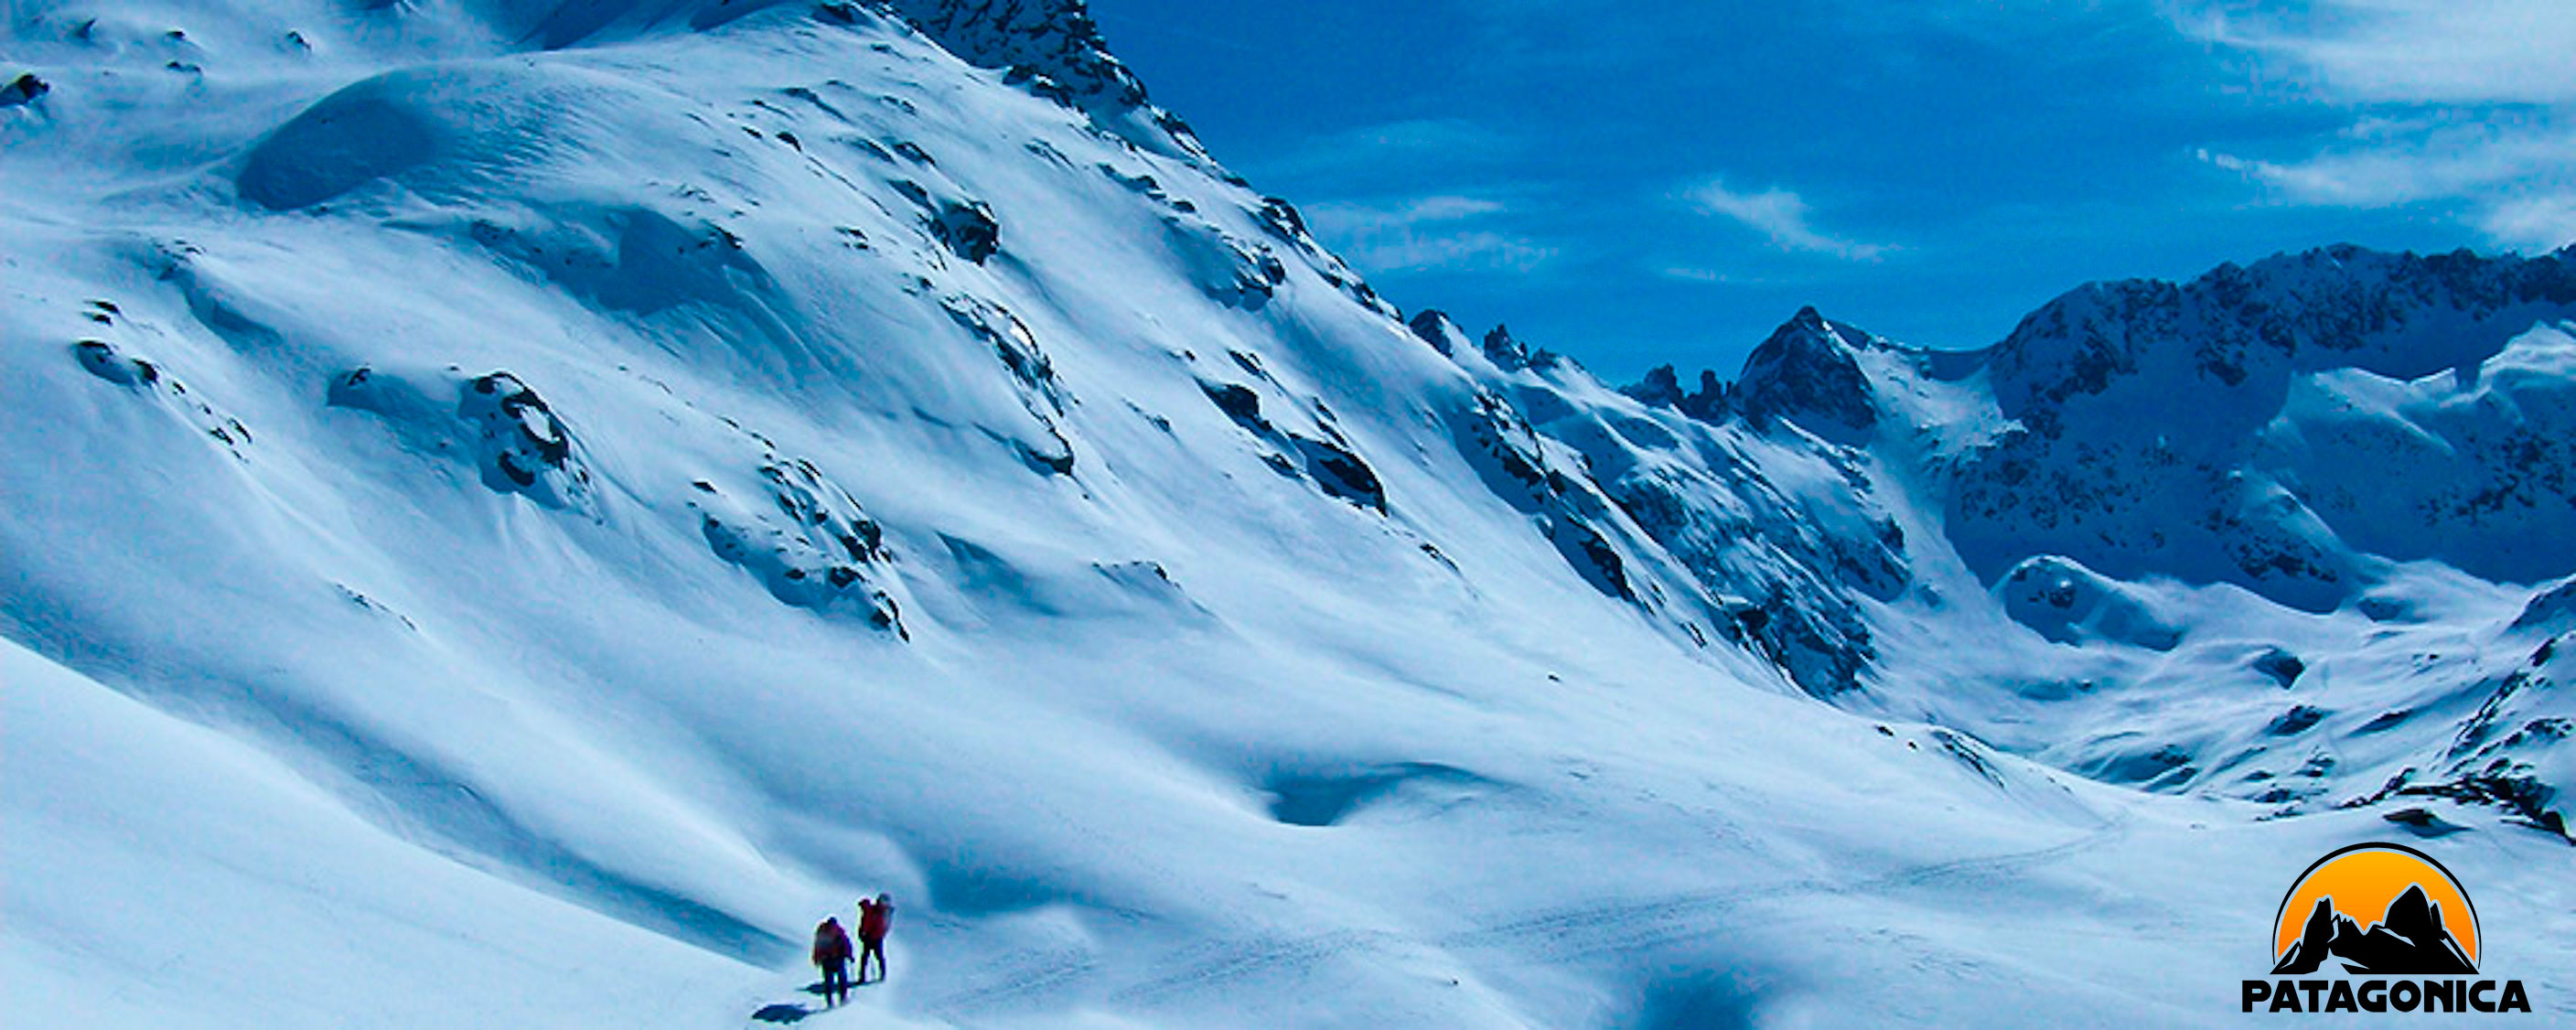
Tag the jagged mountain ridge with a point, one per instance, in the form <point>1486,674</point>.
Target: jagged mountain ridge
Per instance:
<point>2320,429</point>
<point>633,474</point>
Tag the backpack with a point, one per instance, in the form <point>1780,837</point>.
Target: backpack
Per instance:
<point>831,945</point>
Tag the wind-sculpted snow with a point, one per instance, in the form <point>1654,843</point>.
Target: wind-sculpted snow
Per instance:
<point>716,460</point>
<point>146,379</point>
<point>2483,457</point>
<point>2068,603</point>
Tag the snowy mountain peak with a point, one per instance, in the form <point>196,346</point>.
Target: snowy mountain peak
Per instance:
<point>1501,349</point>
<point>1054,49</point>
<point>1055,38</point>
<point>2243,427</point>
<point>1808,372</point>
<point>2234,335</point>
<point>1432,326</point>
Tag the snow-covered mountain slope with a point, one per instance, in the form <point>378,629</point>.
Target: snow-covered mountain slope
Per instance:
<point>519,509</point>
<point>2269,534</point>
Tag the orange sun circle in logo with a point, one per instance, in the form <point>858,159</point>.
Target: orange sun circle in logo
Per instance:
<point>2361,884</point>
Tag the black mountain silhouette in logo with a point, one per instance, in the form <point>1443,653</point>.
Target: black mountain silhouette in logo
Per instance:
<point>2409,940</point>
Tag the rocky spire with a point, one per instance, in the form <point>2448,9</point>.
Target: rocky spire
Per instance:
<point>1054,38</point>
<point>1806,372</point>
<point>1054,49</point>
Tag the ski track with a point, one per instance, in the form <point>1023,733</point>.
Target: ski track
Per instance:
<point>1031,973</point>
<point>1559,934</point>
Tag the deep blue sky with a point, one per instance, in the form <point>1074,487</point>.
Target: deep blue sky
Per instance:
<point>1635,184</point>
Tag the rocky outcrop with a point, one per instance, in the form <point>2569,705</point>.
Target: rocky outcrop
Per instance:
<point>1433,326</point>
<point>1033,378</point>
<point>1053,38</point>
<point>1053,49</point>
<point>512,438</point>
<point>804,537</point>
<point>1806,373</point>
<point>964,225</point>
<point>1321,456</point>
<point>24,88</point>
<point>1662,388</point>
<point>144,377</point>
<point>1240,273</point>
<point>1512,458</point>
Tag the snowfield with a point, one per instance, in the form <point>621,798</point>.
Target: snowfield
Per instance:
<point>518,510</point>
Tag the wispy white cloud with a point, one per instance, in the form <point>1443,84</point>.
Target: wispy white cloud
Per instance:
<point>1695,274</point>
<point>1706,275</point>
<point>2379,169</point>
<point>1435,232</point>
<point>1780,215</point>
<point>2468,104</point>
<point>1472,250</point>
<point>2408,51</point>
<point>1391,148</point>
<point>2545,220</point>
<point>1350,216</point>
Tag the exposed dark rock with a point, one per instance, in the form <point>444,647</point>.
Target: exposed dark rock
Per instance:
<point>102,359</point>
<point>1053,47</point>
<point>2147,440</point>
<point>1032,373</point>
<point>1662,388</point>
<point>1012,342</point>
<point>2281,666</point>
<point>1567,508</point>
<point>1341,473</point>
<point>1056,38</point>
<point>1806,373</point>
<point>1330,464</point>
<point>1283,219</point>
<point>806,539</point>
<point>1433,327</point>
<point>106,361</point>
<point>1503,350</point>
<point>1242,273</point>
<point>2423,823</point>
<point>23,89</point>
<point>2295,721</point>
<point>1239,403</point>
<point>1038,84</point>
<point>522,441</point>
<point>968,228</point>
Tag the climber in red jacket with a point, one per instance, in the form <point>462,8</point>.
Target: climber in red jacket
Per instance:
<point>874,917</point>
<point>832,953</point>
